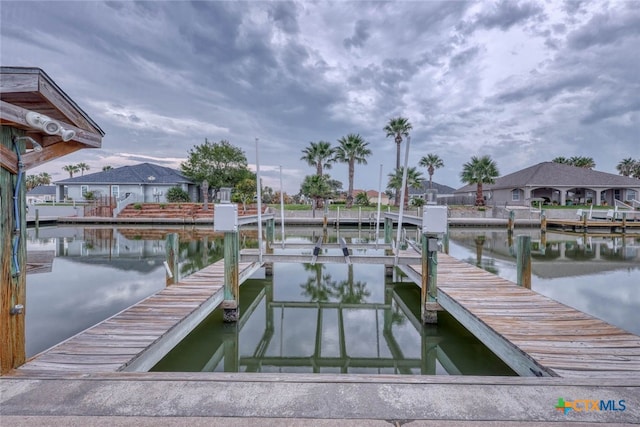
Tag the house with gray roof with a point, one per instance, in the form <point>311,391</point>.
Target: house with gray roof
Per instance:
<point>442,192</point>
<point>141,183</point>
<point>41,194</point>
<point>558,183</point>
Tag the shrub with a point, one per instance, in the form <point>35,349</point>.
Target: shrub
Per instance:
<point>137,206</point>
<point>177,194</point>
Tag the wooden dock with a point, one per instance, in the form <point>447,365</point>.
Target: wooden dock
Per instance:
<point>137,338</point>
<point>533,334</point>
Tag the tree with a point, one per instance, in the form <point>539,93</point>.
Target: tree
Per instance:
<point>626,166</point>
<point>32,181</point>
<point>582,162</point>
<point>219,163</point>
<point>577,161</point>
<point>414,180</point>
<point>245,191</point>
<point>397,128</point>
<point>107,168</point>
<point>176,195</point>
<point>561,160</point>
<point>83,167</point>
<point>317,187</point>
<point>362,199</point>
<point>431,162</point>
<point>71,169</point>
<point>480,170</point>
<point>352,149</point>
<point>319,155</point>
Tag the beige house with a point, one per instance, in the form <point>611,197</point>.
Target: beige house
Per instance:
<point>556,183</point>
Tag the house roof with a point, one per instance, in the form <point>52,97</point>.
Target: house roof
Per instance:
<point>551,174</point>
<point>441,188</point>
<point>42,190</point>
<point>143,173</point>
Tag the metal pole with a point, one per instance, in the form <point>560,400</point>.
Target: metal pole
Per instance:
<point>379,202</point>
<point>259,185</point>
<point>281,207</point>
<point>402,191</point>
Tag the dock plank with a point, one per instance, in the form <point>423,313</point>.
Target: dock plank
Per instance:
<point>559,339</point>
<point>114,343</point>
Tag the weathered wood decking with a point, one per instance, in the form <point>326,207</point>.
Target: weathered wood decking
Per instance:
<point>534,334</point>
<point>138,337</point>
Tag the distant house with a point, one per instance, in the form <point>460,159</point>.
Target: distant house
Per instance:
<point>144,182</point>
<point>557,183</point>
<point>41,194</point>
<point>442,191</point>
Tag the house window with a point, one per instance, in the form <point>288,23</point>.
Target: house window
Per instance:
<point>631,194</point>
<point>115,191</point>
<point>84,189</point>
<point>515,195</point>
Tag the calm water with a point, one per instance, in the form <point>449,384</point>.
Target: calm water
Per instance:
<point>304,318</point>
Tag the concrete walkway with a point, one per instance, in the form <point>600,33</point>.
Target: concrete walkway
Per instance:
<point>325,400</point>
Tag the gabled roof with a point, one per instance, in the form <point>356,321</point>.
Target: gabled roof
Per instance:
<point>42,190</point>
<point>442,189</point>
<point>551,174</point>
<point>143,173</point>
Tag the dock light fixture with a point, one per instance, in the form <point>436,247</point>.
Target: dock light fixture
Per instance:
<point>48,125</point>
<point>36,147</point>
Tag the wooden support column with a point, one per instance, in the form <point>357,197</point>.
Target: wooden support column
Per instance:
<point>429,291</point>
<point>543,222</point>
<point>523,257</point>
<point>271,232</point>
<point>511,222</point>
<point>231,276</point>
<point>388,230</point>
<point>172,250</point>
<point>13,237</point>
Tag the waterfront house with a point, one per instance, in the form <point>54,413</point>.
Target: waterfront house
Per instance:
<point>557,183</point>
<point>145,182</point>
<point>442,192</point>
<point>41,194</point>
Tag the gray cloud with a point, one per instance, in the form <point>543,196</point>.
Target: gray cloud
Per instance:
<point>294,72</point>
<point>505,14</point>
<point>360,36</point>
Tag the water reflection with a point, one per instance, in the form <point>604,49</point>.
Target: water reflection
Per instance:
<point>331,318</point>
<point>97,272</point>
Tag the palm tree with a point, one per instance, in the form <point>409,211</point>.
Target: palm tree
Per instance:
<point>316,187</point>
<point>480,170</point>
<point>582,162</point>
<point>352,149</point>
<point>71,169</point>
<point>318,154</point>
<point>107,168</point>
<point>83,167</point>
<point>561,160</point>
<point>431,162</point>
<point>398,127</point>
<point>414,180</point>
<point>626,166</point>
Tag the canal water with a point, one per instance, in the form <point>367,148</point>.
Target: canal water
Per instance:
<point>314,318</point>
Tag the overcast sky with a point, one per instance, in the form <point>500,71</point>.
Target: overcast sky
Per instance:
<point>521,81</point>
